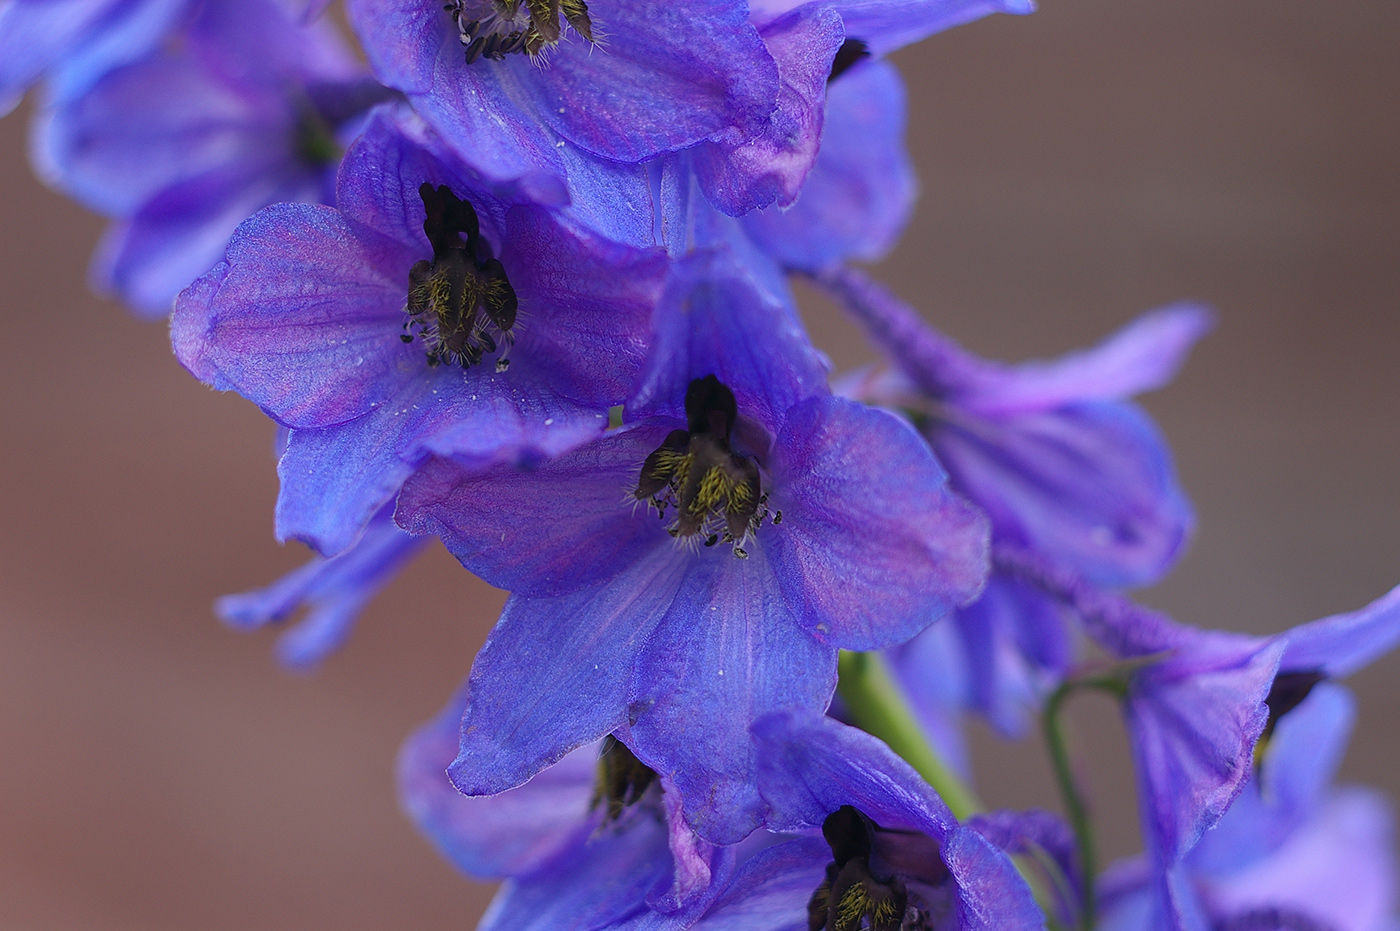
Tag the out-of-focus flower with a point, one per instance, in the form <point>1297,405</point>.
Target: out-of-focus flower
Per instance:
<point>429,313</point>
<point>1293,853</point>
<point>244,107</point>
<point>333,590</point>
<point>847,533</point>
<point>74,42</point>
<point>1061,462</point>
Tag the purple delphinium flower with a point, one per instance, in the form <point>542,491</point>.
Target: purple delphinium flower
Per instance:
<point>247,108</point>
<point>74,42</point>
<point>333,591</point>
<point>896,855</point>
<point>1058,459</point>
<point>593,841</point>
<point>381,331</point>
<point>1293,853</point>
<point>737,95</point>
<point>799,523</point>
<point>1201,700</point>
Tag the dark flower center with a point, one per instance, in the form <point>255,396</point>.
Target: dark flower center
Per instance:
<point>716,494</point>
<point>865,885</point>
<point>496,28</point>
<point>460,304</point>
<point>850,52</point>
<point>622,779</point>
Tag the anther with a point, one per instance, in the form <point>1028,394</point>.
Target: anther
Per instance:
<point>460,302</point>
<point>715,491</point>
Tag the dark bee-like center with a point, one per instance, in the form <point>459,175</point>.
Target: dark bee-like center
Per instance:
<point>865,885</point>
<point>622,779</point>
<point>715,493</point>
<point>460,304</point>
<point>496,28</point>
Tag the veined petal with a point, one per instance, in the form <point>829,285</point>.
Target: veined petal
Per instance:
<point>1193,719</point>
<point>510,834</point>
<point>810,765</point>
<point>184,231</point>
<point>334,479</point>
<point>727,652</point>
<point>565,525</point>
<point>861,189</point>
<point>873,546</point>
<point>301,317</point>
<point>604,885</point>
<point>1288,787</point>
<point>556,673</point>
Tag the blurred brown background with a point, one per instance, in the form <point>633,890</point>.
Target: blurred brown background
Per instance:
<point>1080,165</point>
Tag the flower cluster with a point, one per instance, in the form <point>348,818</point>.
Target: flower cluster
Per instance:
<point>518,279</point>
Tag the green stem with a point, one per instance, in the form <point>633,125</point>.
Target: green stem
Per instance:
<point>878,708</point>
<point>1073,799</point>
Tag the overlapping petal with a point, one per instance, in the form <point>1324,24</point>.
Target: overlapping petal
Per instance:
<point>873,546</point>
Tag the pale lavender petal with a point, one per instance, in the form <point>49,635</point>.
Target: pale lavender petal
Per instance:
<point>1341,644</point>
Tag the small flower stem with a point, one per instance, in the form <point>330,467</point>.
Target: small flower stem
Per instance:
<point>1075,808</point>
<point>878,708</point>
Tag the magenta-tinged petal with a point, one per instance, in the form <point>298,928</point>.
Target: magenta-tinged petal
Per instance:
<point>727,652</point>
<point>511,834</point>
<point>556,673</point>
<point>769,167</point>
<point>860,192</point>
<point>562,526</point>
<point>183,232</point>
<point>301,318</point>
<point>663,78</point>
<point>873,547</point>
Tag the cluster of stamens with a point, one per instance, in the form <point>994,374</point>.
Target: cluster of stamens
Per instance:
<point>859,892</point>
<point>622,779</point>
<point>493,29</point>
<point>460,304</point>
<point>715,494</point>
